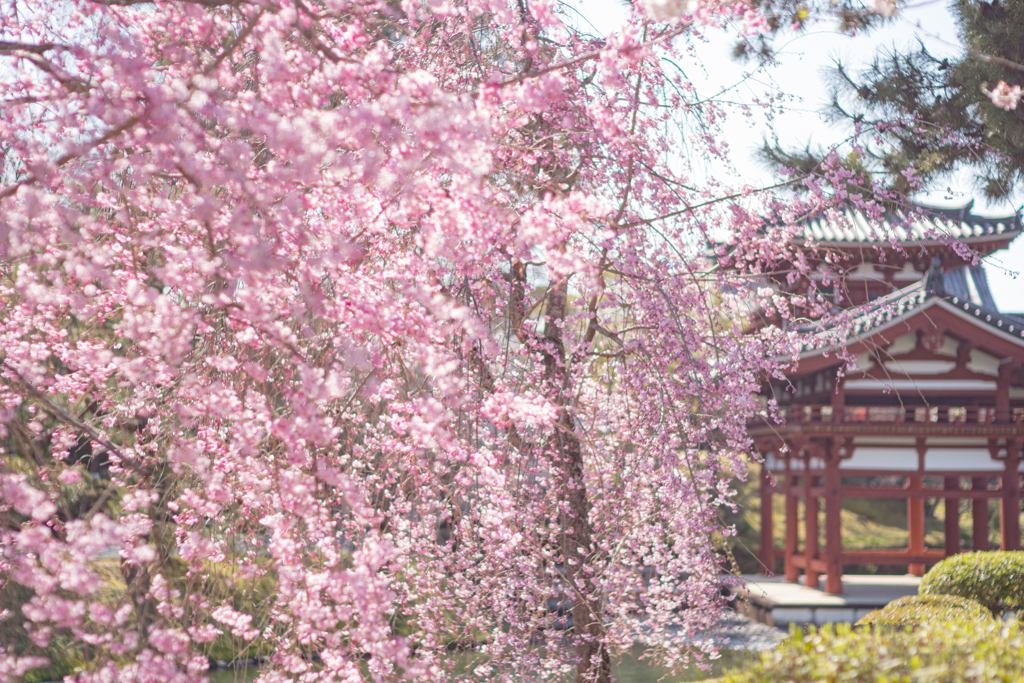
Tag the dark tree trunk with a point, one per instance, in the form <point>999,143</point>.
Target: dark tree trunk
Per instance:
<point>594,664</point>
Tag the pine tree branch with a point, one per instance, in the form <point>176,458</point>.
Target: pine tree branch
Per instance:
<point>992,59</point>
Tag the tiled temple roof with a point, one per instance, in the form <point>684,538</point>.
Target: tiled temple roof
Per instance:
<point>854,228</point>
<point>1010,324</point>
<point>865,320</point>
<point>970,284</point>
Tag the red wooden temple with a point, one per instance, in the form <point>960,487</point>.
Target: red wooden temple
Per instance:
<point>931,408</point>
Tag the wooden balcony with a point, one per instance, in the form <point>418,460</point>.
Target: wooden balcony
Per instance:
<point>917,420</point>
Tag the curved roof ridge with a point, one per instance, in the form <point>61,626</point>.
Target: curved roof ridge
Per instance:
<point>869,318</point>
<point>922,223</point>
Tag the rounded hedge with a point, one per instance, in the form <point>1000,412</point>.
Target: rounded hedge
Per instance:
<point>936,652</point>
<point>914,610</point>
<point>994,578</point>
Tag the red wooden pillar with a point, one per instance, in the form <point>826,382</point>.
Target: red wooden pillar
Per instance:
<point>1009,501</point>
<point>979,515</point>
<point>810,528</point>
<point>838,403</point>
<point>952,528</point>
<point>767,523</point>
<point>833,525</point>
<point>915,524</point>
<point>1009,504</point>
<point>792,519</point>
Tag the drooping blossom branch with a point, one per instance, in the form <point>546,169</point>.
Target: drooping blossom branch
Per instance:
<point>353,334</point>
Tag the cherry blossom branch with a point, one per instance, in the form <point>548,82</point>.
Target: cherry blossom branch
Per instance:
<point>9,48</point>
<point>65,159</point>
<point>588,56</point>
<point>238,40</point>
<point>66,417</point>
<point>716,200</point>
<point>202,3</point>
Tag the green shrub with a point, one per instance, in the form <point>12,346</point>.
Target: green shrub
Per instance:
<point>914,610</point>
<point>940,652</point>
<point>995,579</point>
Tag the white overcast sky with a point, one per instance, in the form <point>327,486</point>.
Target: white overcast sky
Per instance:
<point>800,75</point>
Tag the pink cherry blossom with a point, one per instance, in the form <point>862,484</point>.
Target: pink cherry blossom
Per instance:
<point>422,313</point>
<point>884,8</point>
<point>1004,96</point>
<point>69,476</point>
<point>239,623</point>
<point>27,500</point>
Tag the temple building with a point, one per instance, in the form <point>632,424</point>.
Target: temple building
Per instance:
<point>925,400</point>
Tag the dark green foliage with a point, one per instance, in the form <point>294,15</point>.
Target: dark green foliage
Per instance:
<point>932,114</point>
<point>994,579</point>
<point>912,611</point>
<point>942,652</point>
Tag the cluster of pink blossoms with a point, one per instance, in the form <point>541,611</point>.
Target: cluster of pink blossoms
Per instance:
<point>885,8</point>
<point>1004,96</point>
<point>350,334</point>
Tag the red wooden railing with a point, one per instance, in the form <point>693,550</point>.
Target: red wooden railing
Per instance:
<point>941,414</point>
